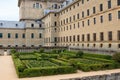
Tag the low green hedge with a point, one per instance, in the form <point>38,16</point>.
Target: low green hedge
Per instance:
<point>99,59</point>
<point>95,67</point>
<point>97,56</point>
<point>33,72</point>
<point>19,66</point>
<point>59,62</point>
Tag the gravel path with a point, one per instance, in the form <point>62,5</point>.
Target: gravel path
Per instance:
<point>7,72</point>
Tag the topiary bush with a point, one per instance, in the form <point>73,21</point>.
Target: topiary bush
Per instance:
<point>116,57</point>
<point>79,54</point>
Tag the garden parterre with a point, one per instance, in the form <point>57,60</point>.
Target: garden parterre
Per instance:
<point>60,62</point>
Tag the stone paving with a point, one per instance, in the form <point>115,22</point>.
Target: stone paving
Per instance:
<point>7,72</point>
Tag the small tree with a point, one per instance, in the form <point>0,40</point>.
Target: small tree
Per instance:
<point>79,54</point>
<point>116,57</point>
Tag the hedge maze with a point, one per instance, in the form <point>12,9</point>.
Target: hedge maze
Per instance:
<point>60,62</point>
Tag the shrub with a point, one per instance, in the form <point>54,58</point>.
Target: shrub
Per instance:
<point>79,54</point>
<point>13,51</point>
<point>33,72</point>
<point>97,56</point>
<point>116,57</point>
<point>41,50</point>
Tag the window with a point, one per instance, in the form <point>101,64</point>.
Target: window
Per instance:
<point>9,45</point>
<point>33,5</point>
<point>78,38</point>
<point>118,14</point>
<point>101,7</point>
<point>40,35</point>
<point>32,45</point>
<point>94,20</point>
<point>16,45</point>
<point>118,45</point>
<point>55,23</point>
<point>16,35</point>
<point>82,14</point>
<point>70,38</point>
<point>74,17</point>
<point>118,2</point>
<point>101,45</point>
<point>37,5</point>
<point>70,19</point>
<point>9,35</point>
<point>110,17</point>
<point>88,22</point>
<point>32,35</point>
<point>78,24</point>
<point>55,39</point>
<point>94,45</point>
<point>40,25</point>
<point>88,37</point>
<point>94,36</point>
<point>109,45</point>
<point>74,38</point>
<point>55,6</point>
<point>83,37</point>
<point>1,24</point>
<point>101,36</point>
<point>101,19</point>
<point>83,23</point>
<point>88,12</point>
<point>23,35</point>
<point>16,25</point>
<point>32,25</point>
<point>1,35</point>
<point>110,35</point>
<point>118,35</point>
<point>94,10</point>
<point>82,1</point>
<point>66,38</point>
<point>78,16</point>
<point>109,4</point>
<point>74,26</point>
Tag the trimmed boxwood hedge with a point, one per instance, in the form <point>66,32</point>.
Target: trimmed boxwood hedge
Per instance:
<point>97,56</point>
<point>66,61</point>
<point>95,67</point>
<point>34,72</point>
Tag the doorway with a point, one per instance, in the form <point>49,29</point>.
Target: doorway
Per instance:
<point>5,52</point>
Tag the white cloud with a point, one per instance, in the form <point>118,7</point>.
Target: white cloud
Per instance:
<point>9,10</point>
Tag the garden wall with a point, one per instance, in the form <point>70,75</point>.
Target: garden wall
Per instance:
<point>113,76</point>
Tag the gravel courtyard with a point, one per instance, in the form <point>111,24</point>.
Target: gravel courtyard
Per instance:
<point>7,72</point>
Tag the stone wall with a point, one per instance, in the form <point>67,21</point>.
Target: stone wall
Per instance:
<point>113,76</point>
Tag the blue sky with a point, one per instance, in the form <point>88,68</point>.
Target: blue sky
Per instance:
<point>9,10</point>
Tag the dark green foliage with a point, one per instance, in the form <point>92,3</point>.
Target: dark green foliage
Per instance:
<point>97,56</point>
<point>41,50</point>
<point>33,72</point>
<point>60,62</point>
<point>116,57</point>
<point>28,57</point>
<point>13,51</point>
<point>79,54</point>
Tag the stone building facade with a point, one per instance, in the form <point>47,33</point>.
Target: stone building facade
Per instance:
<point>83,24</point>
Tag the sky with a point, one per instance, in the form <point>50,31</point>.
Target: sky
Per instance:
<point>9,10</point>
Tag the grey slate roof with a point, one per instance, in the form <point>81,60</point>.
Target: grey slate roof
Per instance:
<point>12,24</point>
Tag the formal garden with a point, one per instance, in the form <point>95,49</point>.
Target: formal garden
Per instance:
<point>41,63</point>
